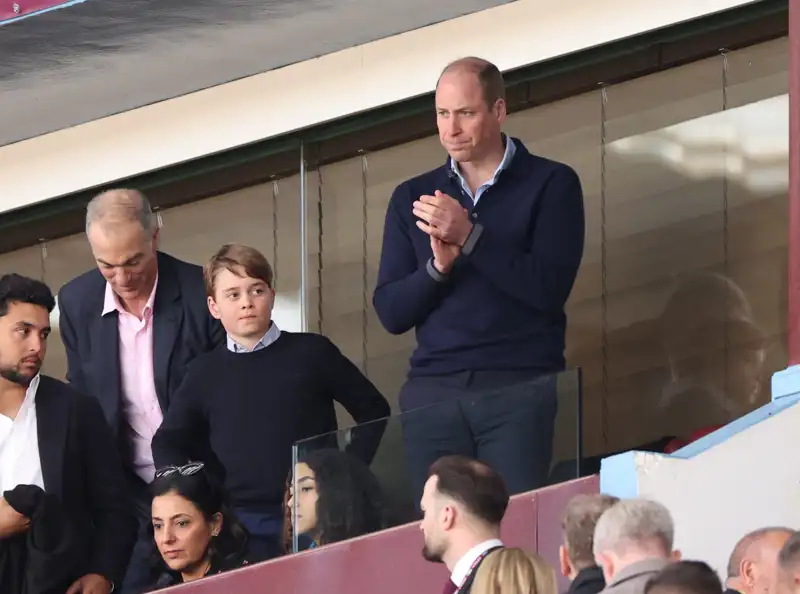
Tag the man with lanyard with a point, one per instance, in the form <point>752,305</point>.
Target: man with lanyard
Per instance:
<point>463,504</point>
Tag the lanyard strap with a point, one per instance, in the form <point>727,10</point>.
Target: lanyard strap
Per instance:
<point>475,564</point>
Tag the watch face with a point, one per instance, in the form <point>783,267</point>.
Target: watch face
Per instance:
<point>15,9</point>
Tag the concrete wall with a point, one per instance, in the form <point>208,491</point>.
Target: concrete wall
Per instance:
<point>737,479</point>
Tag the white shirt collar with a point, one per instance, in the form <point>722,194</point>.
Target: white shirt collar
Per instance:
<point>463,566</point>
<point>273,334</point>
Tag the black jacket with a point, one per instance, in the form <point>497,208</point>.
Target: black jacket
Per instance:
<point>182,329</point>
<point>588,581</point>
<point>168,579</point>
<point>44,559</point>
<point>82,471</point>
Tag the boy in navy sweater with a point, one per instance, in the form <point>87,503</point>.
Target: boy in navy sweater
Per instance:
<point>479,256</point>
<point>253,398</point>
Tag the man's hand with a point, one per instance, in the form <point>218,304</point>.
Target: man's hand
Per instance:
<point>91,584</point>
<point>444,218</point>
<point>11,521</point>
<point>444,255</point>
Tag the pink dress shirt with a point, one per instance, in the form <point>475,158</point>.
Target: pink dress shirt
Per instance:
<point>139,398</point>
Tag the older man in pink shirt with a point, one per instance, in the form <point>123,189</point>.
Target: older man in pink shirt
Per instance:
<point>131,328</point>
<point>139,398</point>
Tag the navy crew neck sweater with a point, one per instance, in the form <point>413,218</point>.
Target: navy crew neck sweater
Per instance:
<point>501,307</point>
<point>252,407</point>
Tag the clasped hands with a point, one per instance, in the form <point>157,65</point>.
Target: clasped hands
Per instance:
<point>447,223</point>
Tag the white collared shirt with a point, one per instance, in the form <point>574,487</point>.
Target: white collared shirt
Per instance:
<point>19,445</point>
<point>271,336</point>
<point>463,566</point>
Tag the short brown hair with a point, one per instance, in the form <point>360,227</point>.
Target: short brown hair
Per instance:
<point>475,485</point>
<point>580,519</point>
<point>235,257</point>
<point>489,77</point>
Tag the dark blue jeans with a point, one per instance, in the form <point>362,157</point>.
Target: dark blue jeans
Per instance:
<point>503,418</point>
<point>265,533</point>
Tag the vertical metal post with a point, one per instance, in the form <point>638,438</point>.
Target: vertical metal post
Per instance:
<point>794,183</point>
<point>303,243</point>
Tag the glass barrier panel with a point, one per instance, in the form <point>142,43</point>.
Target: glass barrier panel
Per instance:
<point>371,476</point>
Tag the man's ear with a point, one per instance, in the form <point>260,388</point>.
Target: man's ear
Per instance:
<point>607,563</point>
<point>676,556</point>
<point>448,517</point>
<point>563,560</point>
<point>212,308</point>
<point>747,573</point>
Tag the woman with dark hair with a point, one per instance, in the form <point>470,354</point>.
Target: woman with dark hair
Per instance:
<point>334,497</point>
<point>194,532</point>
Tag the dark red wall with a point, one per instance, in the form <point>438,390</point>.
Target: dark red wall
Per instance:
<point>25,7</point>
<point>392,560</point>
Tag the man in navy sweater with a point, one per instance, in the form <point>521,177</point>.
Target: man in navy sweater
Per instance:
<point>479,256</point>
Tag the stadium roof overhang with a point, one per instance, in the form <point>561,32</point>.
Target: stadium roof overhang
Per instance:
<point>378,94</point>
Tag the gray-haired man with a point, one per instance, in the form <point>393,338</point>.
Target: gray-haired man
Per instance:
<point>131,327</point>
<point>633,542</point>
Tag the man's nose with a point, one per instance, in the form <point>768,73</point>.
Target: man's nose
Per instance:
<point>453,126</point>
<point>36,344</point>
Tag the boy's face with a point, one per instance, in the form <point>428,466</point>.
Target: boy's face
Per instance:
<point>244,306</point>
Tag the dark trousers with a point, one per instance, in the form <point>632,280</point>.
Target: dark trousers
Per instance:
<point>265,531</point>
<point>141,574</point>
<point>503,418</point>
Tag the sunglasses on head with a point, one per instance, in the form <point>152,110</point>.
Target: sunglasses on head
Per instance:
<point>185,470</point>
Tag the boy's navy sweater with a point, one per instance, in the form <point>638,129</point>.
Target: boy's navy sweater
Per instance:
<point>502,305</point>
<point>252,407</point>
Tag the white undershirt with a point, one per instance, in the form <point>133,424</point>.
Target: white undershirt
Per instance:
<point>19,445</point>
<point>463,566</point>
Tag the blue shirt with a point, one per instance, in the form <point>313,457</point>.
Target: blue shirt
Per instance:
<point>271,336</point>
<point>508,156</point>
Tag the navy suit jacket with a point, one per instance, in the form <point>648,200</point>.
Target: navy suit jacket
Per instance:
<point>182,330</point>
<point>81,468</point>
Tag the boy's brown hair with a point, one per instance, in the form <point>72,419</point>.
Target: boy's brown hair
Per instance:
<point>236,258</point>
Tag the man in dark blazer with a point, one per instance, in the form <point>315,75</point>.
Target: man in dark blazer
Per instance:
<point>463,504</point>
<point>131,328</point>
<point>57,439</point>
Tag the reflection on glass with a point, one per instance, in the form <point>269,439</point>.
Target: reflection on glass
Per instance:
<point>746,144</point>
<point>387,492</point>
<point>334,496</point>
<point>696,174</point>
<point>715,352</point>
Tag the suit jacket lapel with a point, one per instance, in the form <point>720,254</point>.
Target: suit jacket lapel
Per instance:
<point>167,318</point>
<point>52,418</point>
<point>105,335</point>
